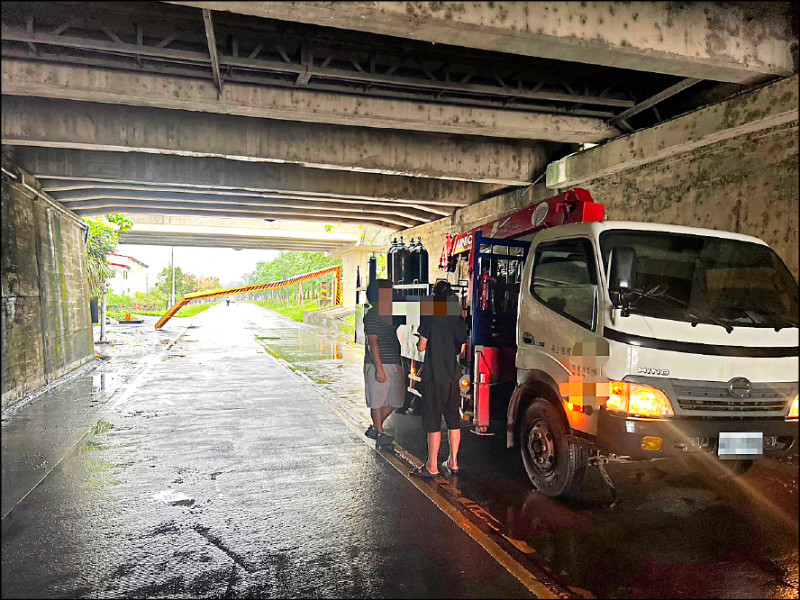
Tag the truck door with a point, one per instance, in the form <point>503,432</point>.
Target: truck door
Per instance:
<point>496,276</point>
<point>558,319</point>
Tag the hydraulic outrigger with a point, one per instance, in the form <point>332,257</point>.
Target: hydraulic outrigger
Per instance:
<point>259,287</point>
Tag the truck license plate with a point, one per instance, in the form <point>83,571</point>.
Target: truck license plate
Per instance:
<point>738,445</point>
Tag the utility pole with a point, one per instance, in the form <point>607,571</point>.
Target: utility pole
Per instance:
<point>103,339</point>
<point>172,268</point>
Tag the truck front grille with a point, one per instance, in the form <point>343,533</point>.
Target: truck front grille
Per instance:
<point>713,398</point>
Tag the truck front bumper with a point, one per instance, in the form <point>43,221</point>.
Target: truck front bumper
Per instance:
<point>623,436</point>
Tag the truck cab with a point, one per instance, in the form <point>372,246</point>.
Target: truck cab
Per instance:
<point>643,341</point>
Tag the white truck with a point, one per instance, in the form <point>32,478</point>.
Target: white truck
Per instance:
<point>617,341</point>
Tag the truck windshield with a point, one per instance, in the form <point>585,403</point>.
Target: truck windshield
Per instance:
<point>731,282</point>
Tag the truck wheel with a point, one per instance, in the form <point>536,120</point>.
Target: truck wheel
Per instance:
<point>555,465</point>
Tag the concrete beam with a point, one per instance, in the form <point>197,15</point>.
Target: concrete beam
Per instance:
<point>229,241</point>
<point>56,186</point>
<point>76,198</point>
<point>91,126</point>
<point>244,233</point>
<point>246,212</point>
<point>722,42</point>
<point>401,215</point>
<point>769,106</point>
<point>28,78</point>
<point>57,163</point>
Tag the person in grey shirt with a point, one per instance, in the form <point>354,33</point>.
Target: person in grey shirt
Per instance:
<point>384,374</point>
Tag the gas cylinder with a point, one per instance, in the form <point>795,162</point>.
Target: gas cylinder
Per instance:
<point>413,263</point>
<point>390,260</point>
<point>372,269</point>
<point>400,258</point>
<point>422,259</point>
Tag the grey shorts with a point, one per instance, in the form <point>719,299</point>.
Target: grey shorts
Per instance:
<point>391,393</point>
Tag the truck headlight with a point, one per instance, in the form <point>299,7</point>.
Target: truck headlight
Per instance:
<point>793,410</point>
<point>638,400</point>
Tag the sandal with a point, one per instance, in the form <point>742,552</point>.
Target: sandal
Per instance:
<point>423,473</point>
<point>446,467</point>
<point>383,439</point>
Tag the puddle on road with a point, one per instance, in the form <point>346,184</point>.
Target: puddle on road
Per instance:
<point>324,359</point>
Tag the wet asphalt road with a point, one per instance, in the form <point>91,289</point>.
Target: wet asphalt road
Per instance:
<point>216,472</point>
<point>679,531</point>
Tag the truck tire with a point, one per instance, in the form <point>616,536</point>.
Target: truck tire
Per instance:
<point>555,465</point>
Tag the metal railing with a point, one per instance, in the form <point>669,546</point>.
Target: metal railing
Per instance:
<point>258,287</point>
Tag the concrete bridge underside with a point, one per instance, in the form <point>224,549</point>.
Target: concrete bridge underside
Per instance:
<point>392,114</point>
<point>365,119</point>
<point>239,234</point>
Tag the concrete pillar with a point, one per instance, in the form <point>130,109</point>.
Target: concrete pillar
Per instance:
<point>354,260</point>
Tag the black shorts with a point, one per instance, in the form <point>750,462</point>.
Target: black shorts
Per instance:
<point>440,398</point>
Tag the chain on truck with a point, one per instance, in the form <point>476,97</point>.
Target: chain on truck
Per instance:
<point>602,341</point>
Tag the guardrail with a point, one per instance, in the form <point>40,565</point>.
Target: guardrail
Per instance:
<point>259,287</point>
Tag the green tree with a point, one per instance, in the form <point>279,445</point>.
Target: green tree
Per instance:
<point>103,239</point>
<point>164,282</point>
<point>185,283</point>
<point>289,264</point>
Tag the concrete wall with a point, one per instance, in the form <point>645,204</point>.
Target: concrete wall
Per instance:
<point>46,328</point>
<point>732,166</point>
<point>747,184</point>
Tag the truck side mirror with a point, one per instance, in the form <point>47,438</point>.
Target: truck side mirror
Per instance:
<point>622,272</point>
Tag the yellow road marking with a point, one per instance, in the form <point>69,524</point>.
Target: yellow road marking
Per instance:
<point>525,577</point>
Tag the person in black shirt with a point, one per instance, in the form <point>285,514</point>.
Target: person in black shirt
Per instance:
<point>442,337</point>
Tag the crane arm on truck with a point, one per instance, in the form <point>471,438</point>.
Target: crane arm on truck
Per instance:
<point>572,206</point>
<point>495,256</point>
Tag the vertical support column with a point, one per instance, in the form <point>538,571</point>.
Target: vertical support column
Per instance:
<point>172,268</point>
<point>103,317</point>
<point>337,284</point>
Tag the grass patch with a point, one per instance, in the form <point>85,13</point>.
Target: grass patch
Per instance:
<point>290,309</point>
<point>192,310</point>
<point>117,315</point>
<point>347,326</point>
<point>187,311</point>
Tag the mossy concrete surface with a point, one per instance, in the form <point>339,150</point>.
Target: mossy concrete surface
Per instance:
<point>46,328</point>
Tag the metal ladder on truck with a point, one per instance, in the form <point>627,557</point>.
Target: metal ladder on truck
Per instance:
<point>492,346</point>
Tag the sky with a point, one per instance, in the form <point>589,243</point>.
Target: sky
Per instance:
<point>227,264</point>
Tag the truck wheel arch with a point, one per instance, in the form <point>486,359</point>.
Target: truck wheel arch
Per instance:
<point>538,384</point>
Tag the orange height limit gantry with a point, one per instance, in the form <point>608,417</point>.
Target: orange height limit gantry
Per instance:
<point>259,287</point>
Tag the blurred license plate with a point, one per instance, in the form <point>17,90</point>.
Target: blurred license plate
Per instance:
<point>746,444</point>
